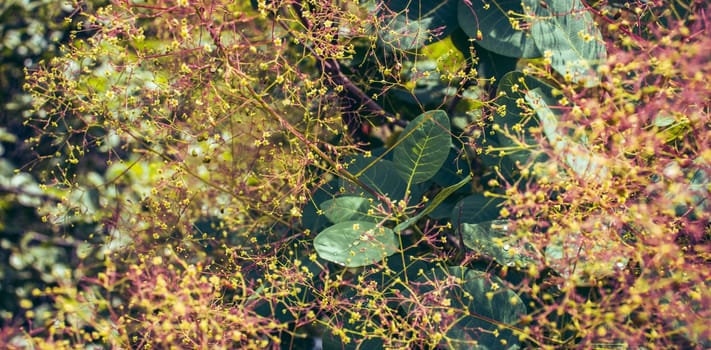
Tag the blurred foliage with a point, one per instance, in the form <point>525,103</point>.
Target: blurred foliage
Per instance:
<point>374,174</point>
<point>34,254</point>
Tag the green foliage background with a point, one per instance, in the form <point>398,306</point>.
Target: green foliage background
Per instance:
<point>373,174</point>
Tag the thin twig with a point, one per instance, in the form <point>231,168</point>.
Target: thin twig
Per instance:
<point>332,69</point>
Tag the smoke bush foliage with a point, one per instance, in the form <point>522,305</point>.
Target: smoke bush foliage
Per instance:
<point>375,174</point>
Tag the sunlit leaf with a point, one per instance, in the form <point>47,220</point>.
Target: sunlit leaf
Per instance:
<point>355,243</point>
<point>348,208</point>
<point>578,257</point>
<point>423,148</point>
<point>494,239</point>
<point>566,31</point>
<point>512,90</point>
<point>581,161</point>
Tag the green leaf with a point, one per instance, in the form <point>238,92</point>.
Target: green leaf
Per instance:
<point>489,64</point>
<point>454,169</point>
<point>663,119</point>
<point>493,239</point>
<point>482,306</point>
<point>428,91</point>
<point>492,65</point>
<point>436,201</point>
<point>699,187</point>
<point>380,177</point>
<point>672,127</point>
<point>445,209</point>
<point>493,19</point>
<point>423,148</point>
<point>581,161</point>
<point>577,257</point>
<point>355,243</point>
<point>512,89</point>
<point>566,30</point>
<point>691,196</point>
<point>348,208</point>
<point>474,209</point>
<point>411,24</point>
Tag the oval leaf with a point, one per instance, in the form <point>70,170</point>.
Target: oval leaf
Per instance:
<point>423,147</point>
<point>493,21</point>
<point>412,24</point>
<point>581,161</point>
<point>355,243</point>
<point>493,239</point>
<point>489,64</point>
<point>512,89</point>
<point>379,177</point>
<point>474,209</point>
<point>577,257</point>
<point>566,30</point>
<point>348,208</point>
